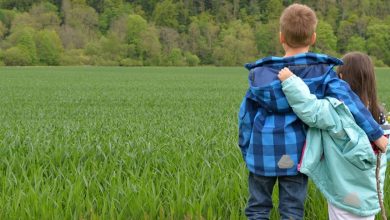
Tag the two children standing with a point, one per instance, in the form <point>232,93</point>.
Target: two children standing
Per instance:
<point>272,135</point>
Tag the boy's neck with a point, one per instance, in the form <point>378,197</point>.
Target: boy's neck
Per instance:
<point>294,51</point>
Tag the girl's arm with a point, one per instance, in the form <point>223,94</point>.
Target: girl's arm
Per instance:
<point>312,111</point>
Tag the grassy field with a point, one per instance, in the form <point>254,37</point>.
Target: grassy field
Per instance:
<point>127,143</point>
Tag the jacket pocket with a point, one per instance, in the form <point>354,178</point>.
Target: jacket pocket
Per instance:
<point>357,150</point>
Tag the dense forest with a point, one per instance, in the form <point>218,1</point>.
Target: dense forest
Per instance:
<point>179,32</point>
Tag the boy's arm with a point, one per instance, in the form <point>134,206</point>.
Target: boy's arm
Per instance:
<point>339,89</point>
<point>245,123</point>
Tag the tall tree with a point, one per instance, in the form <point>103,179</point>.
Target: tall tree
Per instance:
<point>237,45</point>
<point>357,43</point>
<point>112,9</point>
<point>24,45</point>
<point>378,41</point>
<point>150,46</point>
<point>326,40</point>
<point>224,12</point>
<point>165,14</point>
<point>267,39</point>
<point>135,26</point>
<point>274,9</point>
<point>80,24</point>
<point>202,37</point>
<point>3,30</point>
<point>49,47</point>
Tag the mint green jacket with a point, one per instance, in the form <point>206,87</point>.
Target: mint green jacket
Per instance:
<point>338,156</point>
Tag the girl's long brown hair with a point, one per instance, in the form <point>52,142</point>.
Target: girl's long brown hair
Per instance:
<point>358,72</point>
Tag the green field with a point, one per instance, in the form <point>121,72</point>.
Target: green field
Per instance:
<point>127,143</point>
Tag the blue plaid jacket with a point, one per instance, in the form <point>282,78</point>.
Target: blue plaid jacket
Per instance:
<point>271,136</point>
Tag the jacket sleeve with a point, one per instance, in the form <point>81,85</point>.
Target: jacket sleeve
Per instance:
<point>312,111</point>
<point>339,89</point>
<point>245,124</point>
<point>320,113</point>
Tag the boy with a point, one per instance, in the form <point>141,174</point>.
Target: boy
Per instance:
<point>271,137</point>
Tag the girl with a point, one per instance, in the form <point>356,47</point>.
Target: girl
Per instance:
<point>358,72</point>
<point>338,155</point>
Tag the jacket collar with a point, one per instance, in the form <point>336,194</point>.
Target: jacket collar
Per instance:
<point>298,59</point>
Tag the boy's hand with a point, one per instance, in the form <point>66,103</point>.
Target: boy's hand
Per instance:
<point>381,143</point>
<point>284,74</point>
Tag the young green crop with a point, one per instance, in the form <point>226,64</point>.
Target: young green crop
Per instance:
<point>120,143</point>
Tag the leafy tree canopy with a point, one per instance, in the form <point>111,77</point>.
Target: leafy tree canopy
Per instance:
<point>179,32</point>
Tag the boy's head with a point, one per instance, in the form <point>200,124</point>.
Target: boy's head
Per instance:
<point>297,26</point>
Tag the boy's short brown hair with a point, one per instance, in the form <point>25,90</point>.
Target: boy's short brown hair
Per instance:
<point>298,24</point>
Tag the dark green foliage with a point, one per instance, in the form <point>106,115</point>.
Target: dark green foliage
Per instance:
<point>203,37</point>
<point>378,41</point>
<point>237,45</point>
<point>267,39</point>
<point>166,14</point>
<point>357,43</point>
<point>6,16</point>
<point>111,11</point>
<point>3,30</point>
<point>22,5</point>
<point>211,32</point>
<point>326,40</point>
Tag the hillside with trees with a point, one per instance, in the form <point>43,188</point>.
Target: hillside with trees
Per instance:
<point>179,32</point>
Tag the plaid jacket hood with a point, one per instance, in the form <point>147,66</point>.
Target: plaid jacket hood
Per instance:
<point>264,83</point>
<point>271,136</point>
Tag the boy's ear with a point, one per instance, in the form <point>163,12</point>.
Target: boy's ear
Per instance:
<point>282,40</point>
<point>313,38</point>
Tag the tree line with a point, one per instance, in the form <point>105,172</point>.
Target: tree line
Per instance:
<point>179,32</point>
